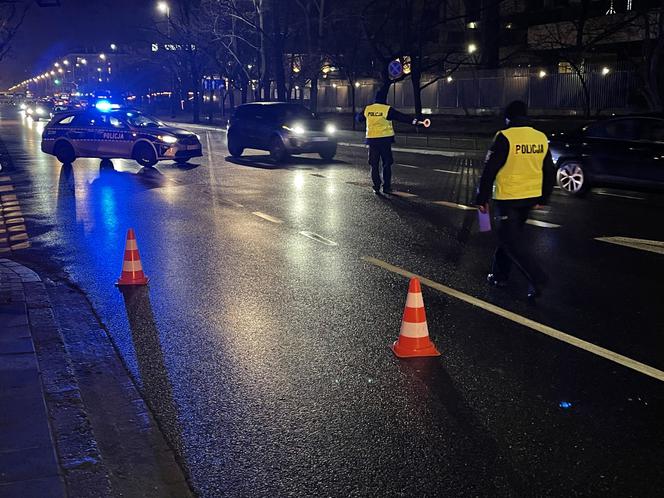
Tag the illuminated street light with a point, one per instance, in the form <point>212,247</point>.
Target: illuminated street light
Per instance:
<point>102,57</point>
<point>57,64</point>
<point>357,84</point>
<point>65,62</point>
<point>163,7</point>
<point>114,46</point>
<point>542,73</point>
<point>449,79</point>
<point>60,70</point>
<point>84,61</point>
<point>472,48</point>
<point>605,71</point>
<point>52,73</point>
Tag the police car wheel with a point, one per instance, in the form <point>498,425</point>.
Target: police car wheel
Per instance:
<point>145,155</point>
<point>571,178</point>
<point>65,153</point>
<point>278,151</point>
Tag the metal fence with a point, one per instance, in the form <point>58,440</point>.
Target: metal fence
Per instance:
<point>481,93</point>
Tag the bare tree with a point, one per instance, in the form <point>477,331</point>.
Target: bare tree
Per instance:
<point>12,15</point>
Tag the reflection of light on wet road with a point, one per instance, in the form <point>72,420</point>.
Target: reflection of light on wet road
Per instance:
<point>108,208</point>
<point>299,181</point>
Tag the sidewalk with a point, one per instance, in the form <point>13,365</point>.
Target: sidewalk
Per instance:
<point>28,465</point>
<point>64,431</point>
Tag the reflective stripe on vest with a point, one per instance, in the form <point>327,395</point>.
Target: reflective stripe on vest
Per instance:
<point>378,125</point>
<point>521,176</point>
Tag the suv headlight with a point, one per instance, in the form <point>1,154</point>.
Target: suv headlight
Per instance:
<point>330,129</point>
<point>296,129</point>
<point>167,139</point>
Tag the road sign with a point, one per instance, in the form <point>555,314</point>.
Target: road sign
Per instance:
<point>395,69</point>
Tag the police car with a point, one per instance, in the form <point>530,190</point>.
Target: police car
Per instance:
<point>106,132</point>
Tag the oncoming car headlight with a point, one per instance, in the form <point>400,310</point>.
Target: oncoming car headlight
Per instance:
<point>330,129</point>
<point>167,139</point>
<point>39,111</point>
<point>296,129</point>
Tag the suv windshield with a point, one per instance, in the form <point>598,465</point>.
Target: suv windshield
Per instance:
<point>294,112</point>
<point>140,120</point>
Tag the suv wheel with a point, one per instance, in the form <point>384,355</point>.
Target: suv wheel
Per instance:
<point>234,146</point>
<point>572,179</point>
<point>145,155</point>
<point>278,151</point>
<point>65,153</point>
<point>328,153</point>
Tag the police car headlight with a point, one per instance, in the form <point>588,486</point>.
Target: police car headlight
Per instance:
<point>330,129</point>
<point>167,139</point>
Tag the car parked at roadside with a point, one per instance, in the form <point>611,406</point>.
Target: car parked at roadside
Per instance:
<point>621,152</point>
<point>282,129</point>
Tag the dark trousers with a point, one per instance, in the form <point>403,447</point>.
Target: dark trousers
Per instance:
<point>509,219</point>
<point>381,149</point>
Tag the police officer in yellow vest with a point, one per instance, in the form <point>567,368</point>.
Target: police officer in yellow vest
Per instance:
<point>519,174</point>
<point>380,136</point>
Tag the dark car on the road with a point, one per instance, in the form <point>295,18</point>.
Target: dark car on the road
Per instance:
<point>41,109</point>
<point>117,133</point>
<point>621,152</point>
<point>282,129</point>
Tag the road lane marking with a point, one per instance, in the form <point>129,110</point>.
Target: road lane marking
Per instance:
<point>526,322</point>
<point>408,166</point>
<point>448,171</point>
<point>5,179</point>
<point>6,188</point>
<point>232,203</point>
<point>267,217</point>
<point>453,205</point>
<point>543,224</point>
<point>318,238</point>
<point>624,196</point>
<point>655,246</point>
<point>424,152</point>
<point>405,195</point>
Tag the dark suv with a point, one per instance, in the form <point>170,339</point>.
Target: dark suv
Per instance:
<point>282,129</point>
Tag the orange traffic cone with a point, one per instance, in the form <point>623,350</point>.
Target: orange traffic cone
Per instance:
<point>414,335</point>
<point>132,270</point>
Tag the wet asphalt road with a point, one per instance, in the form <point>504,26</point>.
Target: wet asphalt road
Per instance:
<point>264,352</point>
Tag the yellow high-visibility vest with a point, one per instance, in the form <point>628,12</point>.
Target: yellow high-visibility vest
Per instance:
<point>521,176</point>
<point>378,125</point>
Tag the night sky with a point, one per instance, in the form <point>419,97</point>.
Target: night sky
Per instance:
<point>49,33</point>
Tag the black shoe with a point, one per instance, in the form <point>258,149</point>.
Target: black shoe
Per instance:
<point>495,281</point>
<point>387,190</point>
<point>533,292</point>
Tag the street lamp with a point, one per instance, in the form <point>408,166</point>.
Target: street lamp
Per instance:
<point>472,48</point>
<point>164,8</point>
<point>102,57</point>
<point>542,73</point>
<point>605,71</point>
<point>114,46</point>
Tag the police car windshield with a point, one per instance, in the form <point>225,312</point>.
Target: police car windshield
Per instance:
<point>142,120</point>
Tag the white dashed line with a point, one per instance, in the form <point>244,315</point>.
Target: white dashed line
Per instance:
<point>318,238</point>
<point>542,224</point>
<point>624,196</point>
<point>655,246</point>
<point>408,166</point>
<point>405,195</point>
<point>424,152</point>
<point>267,217</point>
<point>453,205</point>
<point>526,322</point>
<point>448,171</point>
